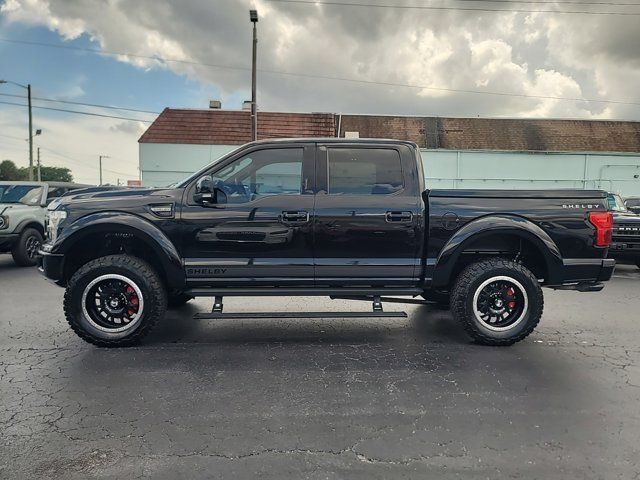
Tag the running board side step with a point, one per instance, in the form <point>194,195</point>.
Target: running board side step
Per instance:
<point>249,315</point>
<point>216,313</point>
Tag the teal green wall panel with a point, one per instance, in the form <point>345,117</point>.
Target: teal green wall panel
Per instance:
<point>162,164</point>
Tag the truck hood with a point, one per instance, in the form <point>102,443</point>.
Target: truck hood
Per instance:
<point>105,200</point>
<point>112,194</point>
<point>6,208</point>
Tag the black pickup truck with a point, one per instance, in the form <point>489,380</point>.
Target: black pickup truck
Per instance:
<point>625,244</point>
<point>336,218</point>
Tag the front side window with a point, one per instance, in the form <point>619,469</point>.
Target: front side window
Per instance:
<point>276,171</point>
<point>364,171</point>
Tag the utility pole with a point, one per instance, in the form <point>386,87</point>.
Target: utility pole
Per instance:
<point>253,16</point>
<point>39,174</point>
<point>28,89</point>
<point>30,135</point>
<point>100,157</point>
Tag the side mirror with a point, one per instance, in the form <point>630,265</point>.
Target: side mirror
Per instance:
<point>207,194</point>
<point>204,190</point>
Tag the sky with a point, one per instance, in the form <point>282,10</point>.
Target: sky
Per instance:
<point>504,58</point>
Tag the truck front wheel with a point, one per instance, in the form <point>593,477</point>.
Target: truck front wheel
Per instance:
<point>114,301</point>
<point>497,301</point>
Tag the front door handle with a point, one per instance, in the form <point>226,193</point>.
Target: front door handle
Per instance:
<point>403,217</point>
<point>295,216</point>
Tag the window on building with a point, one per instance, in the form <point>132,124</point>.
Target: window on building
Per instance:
<point>364,171</point>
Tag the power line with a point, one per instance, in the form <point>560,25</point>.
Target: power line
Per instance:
<point>118,54</point>
<point>325,77</point>
<point>83,164</point>
<point>112,107</point>
<point>78,112</point>
<point>465,9</point>
<point>15,138</point>
<point>569,2</point>
<point>70,159</point>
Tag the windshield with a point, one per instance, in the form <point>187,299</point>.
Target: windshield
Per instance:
<point>632,202</point>
<point>25,194</point>
<point>615,203</point>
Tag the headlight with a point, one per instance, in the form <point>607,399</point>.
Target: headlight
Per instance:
<point>54,219</point>
<point>4,222</point>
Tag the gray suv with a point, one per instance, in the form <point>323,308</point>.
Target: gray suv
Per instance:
<point>22,213</point>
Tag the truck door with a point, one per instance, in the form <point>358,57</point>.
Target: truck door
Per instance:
<point>262,235</point>
<point>368,215</point>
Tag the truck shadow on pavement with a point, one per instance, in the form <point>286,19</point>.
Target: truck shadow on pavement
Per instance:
<point>425,323</point>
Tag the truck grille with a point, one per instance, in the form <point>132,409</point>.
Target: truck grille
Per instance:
<point>626,230</point>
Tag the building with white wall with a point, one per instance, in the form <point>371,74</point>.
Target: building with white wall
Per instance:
<point>457,152</point>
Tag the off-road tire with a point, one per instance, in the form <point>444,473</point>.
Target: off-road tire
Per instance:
<point>178,299</point>
<point>153,291</point>
<point>20,251</point>
<point>469,281</point>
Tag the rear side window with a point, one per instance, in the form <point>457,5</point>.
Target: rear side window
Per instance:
<point>364,171</point>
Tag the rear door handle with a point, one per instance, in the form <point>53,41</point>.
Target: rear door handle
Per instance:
<point>297,216</point>
<point>404,217</point>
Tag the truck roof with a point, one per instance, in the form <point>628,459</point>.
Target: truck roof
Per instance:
<point>350,141</point>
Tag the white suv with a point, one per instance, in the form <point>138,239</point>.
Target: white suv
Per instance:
<point>22,213</point>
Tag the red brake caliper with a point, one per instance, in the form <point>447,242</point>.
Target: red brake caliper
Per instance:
<point>510,293</point>
<point>133,301</point>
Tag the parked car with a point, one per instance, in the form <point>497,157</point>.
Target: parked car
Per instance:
<point>626,231</point>
<point>22,215</point>
<point>633,204</point>
<point>336,218</point>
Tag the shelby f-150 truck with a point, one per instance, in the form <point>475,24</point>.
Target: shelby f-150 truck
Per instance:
<point>337,218</point>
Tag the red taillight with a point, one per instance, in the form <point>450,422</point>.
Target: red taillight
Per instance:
<point>603,221</point>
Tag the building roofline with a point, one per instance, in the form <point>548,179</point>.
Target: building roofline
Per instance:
<point>402,115</point>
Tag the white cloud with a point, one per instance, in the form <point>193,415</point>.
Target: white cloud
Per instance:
<point>510,52</point>
<point>74,142</point>
<point>526,54</point>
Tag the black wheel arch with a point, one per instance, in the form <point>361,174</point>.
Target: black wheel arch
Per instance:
<point>30,223</point>
<point>499,226</point>
<point>122,229</point>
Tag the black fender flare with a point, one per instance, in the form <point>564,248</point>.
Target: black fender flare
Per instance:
<point>29,221</point>
<point>491,225</point>
<point>110,222</point>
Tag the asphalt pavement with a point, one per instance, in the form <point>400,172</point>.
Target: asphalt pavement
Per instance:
<point>348,398</point>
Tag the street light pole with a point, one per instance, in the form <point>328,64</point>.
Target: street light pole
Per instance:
<point>253,16</point>
<point>30,134</point>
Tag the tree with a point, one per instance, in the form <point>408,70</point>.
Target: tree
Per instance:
<point>9,171</point>
<point>55,174</point>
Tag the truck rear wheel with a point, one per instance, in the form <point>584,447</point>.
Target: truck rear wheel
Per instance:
<point>497,301</point>
<point>114,301</point>
<point>25,250</point>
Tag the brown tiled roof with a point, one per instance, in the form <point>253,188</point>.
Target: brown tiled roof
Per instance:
<point>224,127</point>
<point>501,134</point>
